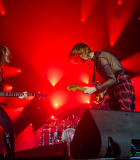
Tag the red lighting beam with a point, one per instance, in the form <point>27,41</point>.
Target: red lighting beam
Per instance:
<point>2,10</point>
<point>84,78</point>
<point>58,98</point>
<point>120,2</point>
<point>10,71</point>
<point>54,75</point>
<point>134,61</point>
<point>7,88</point>
<point>25,140</point>
<point>86,8</point>
<point>14,113</point>
<point>83,98</point>
<point>136,84</point>
<point>116,26</point>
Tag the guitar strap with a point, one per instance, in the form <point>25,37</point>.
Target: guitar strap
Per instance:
<point>1,83</point>
<point>94,70</point>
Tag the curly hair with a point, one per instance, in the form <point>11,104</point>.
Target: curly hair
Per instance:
<point>3,51</point>
<point>78,50</point>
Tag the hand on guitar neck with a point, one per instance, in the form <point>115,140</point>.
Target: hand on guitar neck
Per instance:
<point>25,94</point>
<point>87,91</point>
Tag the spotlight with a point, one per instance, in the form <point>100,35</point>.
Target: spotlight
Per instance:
<point>3,12</point>
<point>56,104</point>
<point>83,20</point>
<point>52,117</point>
<point>111,43</point>
<point>53,83</point>
<point>88,101</point>
<point>19,70</point>
<point>7,88</point>
<point>119,2</point>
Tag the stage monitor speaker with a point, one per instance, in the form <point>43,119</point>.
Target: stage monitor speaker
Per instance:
<point>105,133</point>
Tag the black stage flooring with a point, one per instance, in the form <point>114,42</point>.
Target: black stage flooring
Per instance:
<point>59,151</point>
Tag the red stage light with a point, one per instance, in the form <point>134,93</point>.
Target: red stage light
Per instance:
<point>7,88</point>
<point>82,20</point>
<point>84,77</point>
<point>3,12</point>
<point>56,104</point>
<point>111,43</point>
<point>86,8</point>
<point>139,18</point>
<point>119,2</point>
<point>10,71</point>
<point>88,101</point>
<point>82,98</point>
<point>52,117</point>
<point>58,98</point>
<point>54,75</point>
<point>19,71</point>
<point>53,83</point>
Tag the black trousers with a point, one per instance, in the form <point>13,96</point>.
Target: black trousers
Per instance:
<point>6,122</point>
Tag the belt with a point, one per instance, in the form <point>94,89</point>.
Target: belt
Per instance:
<point>121,79</point>
<point>120,73</point>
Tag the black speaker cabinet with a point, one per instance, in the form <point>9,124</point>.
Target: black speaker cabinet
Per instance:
<point>105,133</point>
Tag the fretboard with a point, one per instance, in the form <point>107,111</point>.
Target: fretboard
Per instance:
<point>16,94</point>
<point>81,89</point>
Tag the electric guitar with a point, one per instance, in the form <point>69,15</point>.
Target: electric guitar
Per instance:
<point>99,97</point>
<point>17,94</point>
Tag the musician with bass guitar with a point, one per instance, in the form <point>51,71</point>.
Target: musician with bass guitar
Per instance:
<point>119,89</point>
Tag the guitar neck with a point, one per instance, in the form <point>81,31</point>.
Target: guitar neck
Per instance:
<point>16,94</point>
<point>81,89</point>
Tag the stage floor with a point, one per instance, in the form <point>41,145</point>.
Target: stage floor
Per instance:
<point>56,151</point>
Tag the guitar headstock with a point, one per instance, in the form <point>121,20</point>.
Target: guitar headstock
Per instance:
<point>72,87</point>
<point>42,95</point>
